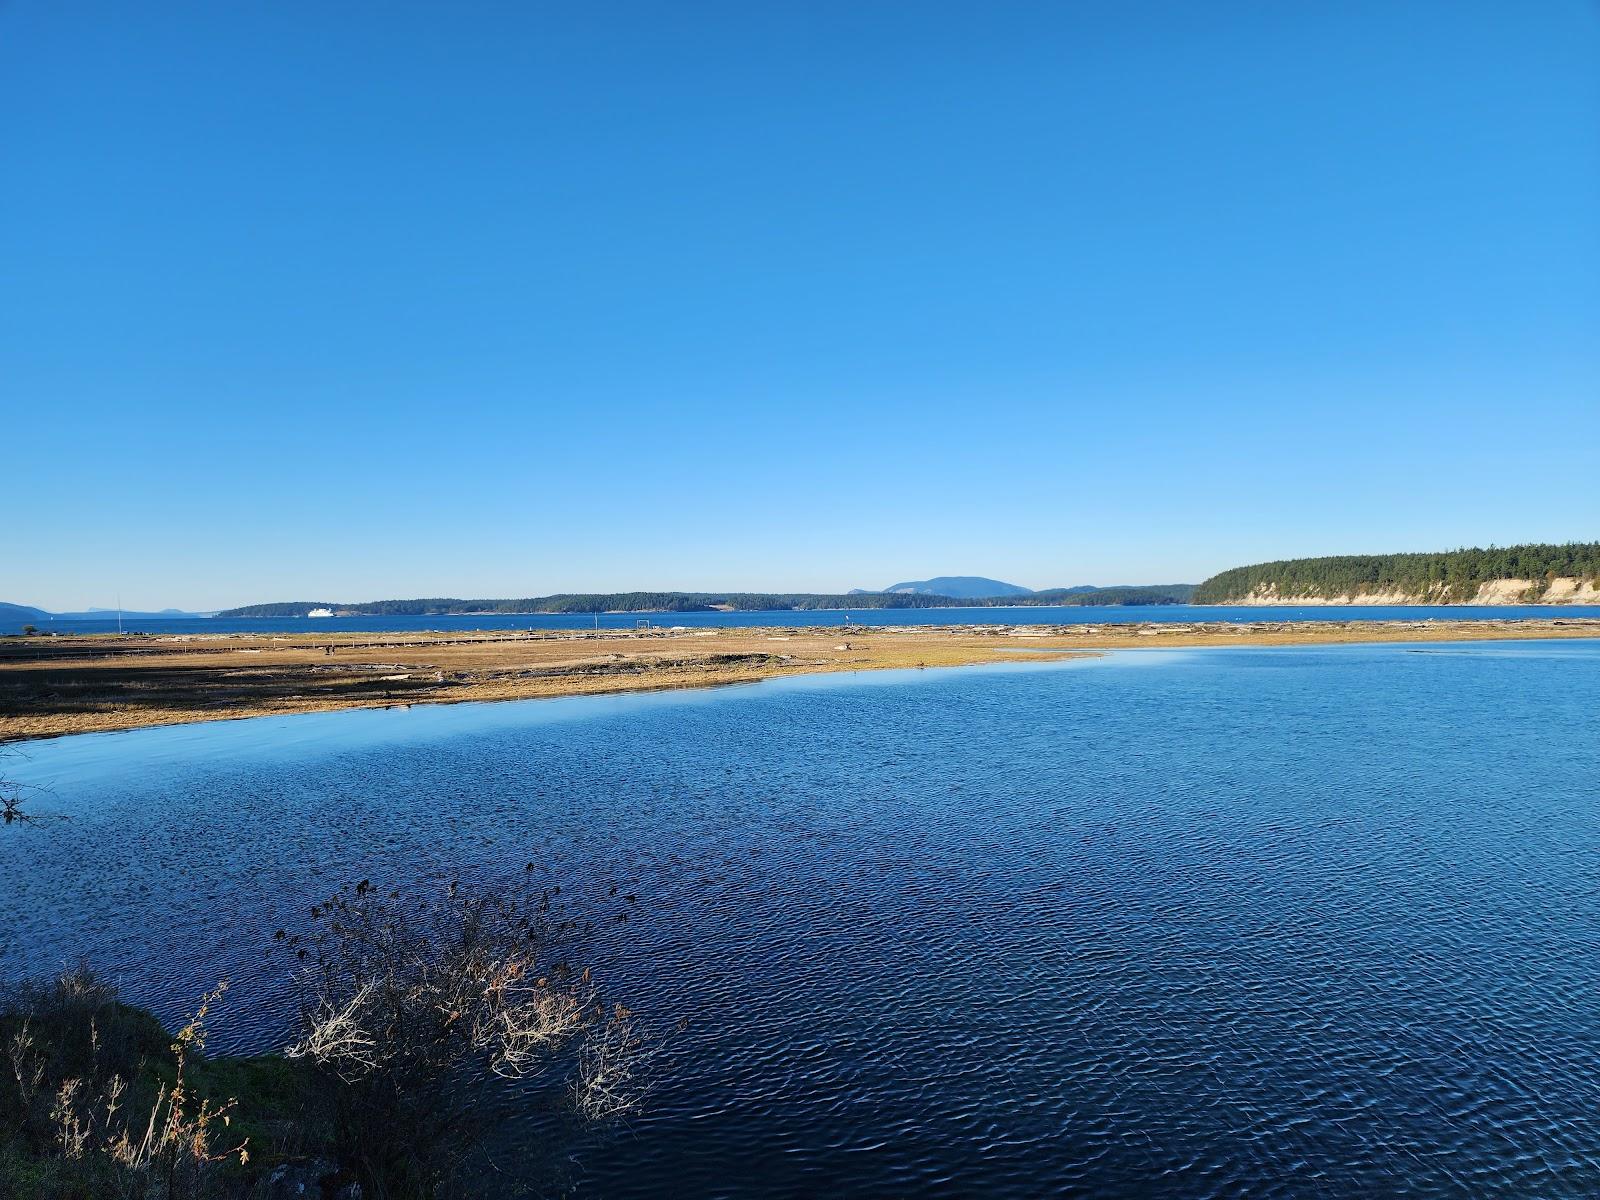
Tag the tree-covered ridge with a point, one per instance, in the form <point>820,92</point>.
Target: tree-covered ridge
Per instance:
<point>1454,575</point>
<point>710,601</point>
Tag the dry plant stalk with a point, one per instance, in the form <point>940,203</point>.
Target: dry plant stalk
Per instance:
<point>175,1143</point>
<point>173,1133</point>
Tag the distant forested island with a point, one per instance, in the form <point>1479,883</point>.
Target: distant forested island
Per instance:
<point>1531,574</point>
<point>604,602</point>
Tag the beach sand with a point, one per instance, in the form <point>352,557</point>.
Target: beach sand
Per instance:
<point>51,686</point>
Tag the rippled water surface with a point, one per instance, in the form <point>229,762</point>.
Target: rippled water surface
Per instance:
<point>1287,922</point>
<point>1025,614</point>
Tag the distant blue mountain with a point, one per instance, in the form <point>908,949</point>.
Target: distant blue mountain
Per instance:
<point>128,614</point>
<point>26,612</point>
<point>959,587</point>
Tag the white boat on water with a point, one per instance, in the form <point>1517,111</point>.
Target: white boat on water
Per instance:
<point>320,612</point>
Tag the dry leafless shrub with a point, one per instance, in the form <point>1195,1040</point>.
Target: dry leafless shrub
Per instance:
<point>12,798</point>
<point>410,1006</point>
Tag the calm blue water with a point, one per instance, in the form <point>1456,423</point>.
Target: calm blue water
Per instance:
<point>1287,922</point>
<point>1021,615</point>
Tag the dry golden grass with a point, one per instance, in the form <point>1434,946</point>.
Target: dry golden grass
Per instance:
<point>59,685</point>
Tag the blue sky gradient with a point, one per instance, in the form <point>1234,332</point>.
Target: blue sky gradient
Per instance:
<point>356,301</point>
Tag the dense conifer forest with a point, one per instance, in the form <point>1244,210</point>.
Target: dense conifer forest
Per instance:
<point>1454,575</point>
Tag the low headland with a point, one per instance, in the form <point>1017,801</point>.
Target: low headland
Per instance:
<point>51,686</point>
<point>1530,574</point>
<point>689,602</point>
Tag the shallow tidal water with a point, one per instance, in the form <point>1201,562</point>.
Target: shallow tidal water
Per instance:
<point>1313,921</point>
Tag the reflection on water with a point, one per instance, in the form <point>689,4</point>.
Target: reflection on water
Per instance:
<point>1294,922</point>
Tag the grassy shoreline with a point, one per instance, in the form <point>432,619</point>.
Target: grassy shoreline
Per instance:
<point>55,686</point>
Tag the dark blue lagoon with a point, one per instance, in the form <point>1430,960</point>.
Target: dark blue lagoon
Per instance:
<point>1297,922</point>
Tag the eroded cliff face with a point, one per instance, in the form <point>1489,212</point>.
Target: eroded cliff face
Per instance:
<point>1497,591</point>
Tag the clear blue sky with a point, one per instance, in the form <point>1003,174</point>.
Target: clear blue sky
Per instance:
<point>349,301</point>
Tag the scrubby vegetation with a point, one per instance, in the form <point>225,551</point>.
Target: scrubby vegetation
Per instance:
<point>96,1099</point>
<point>409,1007</point>
<point>1455,575</point>
<point>412,1012</point>
<point>710,601</point>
